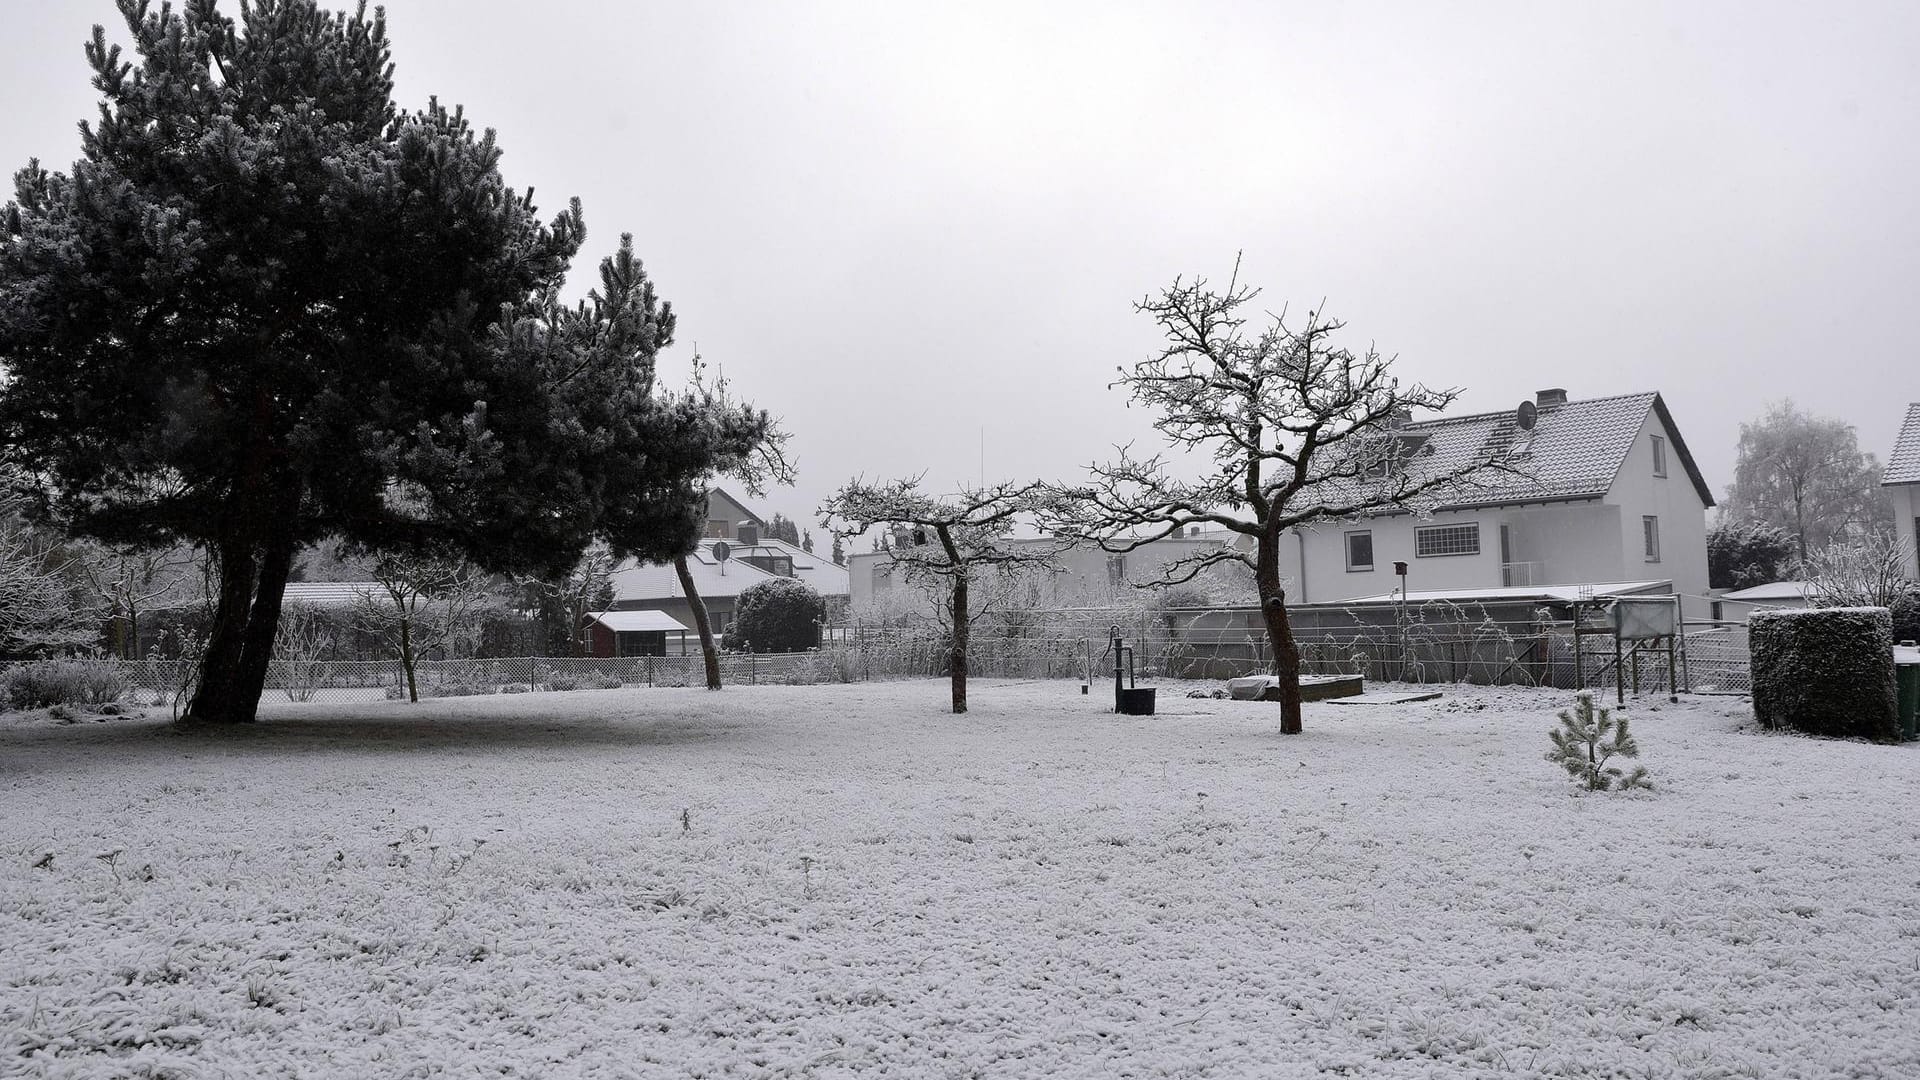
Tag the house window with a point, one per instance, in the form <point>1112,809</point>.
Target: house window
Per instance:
<point>1659,456</point>
<point>1447,540</point>
<point>1116,570</point>
<point>1650,530</point>
<point>882,577</point>
<point>1360,550</point>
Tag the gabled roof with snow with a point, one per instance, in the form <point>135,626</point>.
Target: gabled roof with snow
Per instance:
<point>327,593</point>
<point>1772,590</point>
<point>641,621</point>
<point>813,568</point>
<point>647,582</point>
<point>1903,465</point>
<point>1574,451</point>
<point>640,582</point>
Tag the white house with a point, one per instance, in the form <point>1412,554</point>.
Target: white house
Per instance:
<point>1086,574</point>
<point>1609,495</point>
<point>1902,482</point>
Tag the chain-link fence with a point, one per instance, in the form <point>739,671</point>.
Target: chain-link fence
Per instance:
<point>1426,643</point>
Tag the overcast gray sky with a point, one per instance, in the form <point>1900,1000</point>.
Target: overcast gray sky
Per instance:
<point>912,229</point>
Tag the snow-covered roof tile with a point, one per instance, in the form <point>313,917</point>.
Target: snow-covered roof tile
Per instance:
<point>1903,465</point>
<point>1573,452</point>
<point>634,582</point>
<point>326,593</point>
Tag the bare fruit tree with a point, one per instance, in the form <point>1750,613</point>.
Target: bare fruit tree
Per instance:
<point>947,543</point>
<point>416,604</point>
<point>1293,430</point>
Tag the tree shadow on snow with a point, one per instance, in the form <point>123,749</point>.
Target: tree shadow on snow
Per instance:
<point>287,732</point>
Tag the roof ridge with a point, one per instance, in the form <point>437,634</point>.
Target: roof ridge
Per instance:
<point>1464,417</point>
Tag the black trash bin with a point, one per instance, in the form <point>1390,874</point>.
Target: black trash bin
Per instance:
<point>1136,701</point>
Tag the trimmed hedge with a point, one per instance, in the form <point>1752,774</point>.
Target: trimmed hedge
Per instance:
<point>1825,671</point>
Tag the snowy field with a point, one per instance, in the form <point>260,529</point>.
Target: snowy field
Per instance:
<point>840,881</point>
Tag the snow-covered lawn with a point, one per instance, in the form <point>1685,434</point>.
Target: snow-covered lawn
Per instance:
<point>846,880</point>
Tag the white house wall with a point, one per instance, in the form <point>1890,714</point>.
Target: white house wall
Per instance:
<point>1906,507</point>
<point>1577,542</point>
<point>1683,519</point>
<point>1084,578</point>
<point>1569,543</point>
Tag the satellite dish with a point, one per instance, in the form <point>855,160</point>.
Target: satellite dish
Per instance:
<point>722,551</point>
<point>1526,415</point>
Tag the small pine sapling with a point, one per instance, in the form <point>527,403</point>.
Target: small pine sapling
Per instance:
<point>1587,738</point>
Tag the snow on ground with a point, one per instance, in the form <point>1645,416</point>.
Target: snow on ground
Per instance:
<point>862,884</point>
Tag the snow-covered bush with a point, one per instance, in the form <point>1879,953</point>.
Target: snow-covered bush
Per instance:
<point>1587,738</point>
<point>60,682</point>
<point>828,666</point>
<point>1825,671</point>
<point>445,689</point>
<point>782,615</point>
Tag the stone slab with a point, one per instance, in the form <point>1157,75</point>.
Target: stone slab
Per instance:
<point>1312,687</point>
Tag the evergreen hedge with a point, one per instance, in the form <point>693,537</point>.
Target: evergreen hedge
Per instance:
<point>1825,671</point>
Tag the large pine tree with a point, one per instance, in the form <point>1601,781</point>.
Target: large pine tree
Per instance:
<point>268,306</point>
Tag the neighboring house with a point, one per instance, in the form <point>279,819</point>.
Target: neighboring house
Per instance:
<point>1609,494</point>
<point>1736,605</point>
<point>1086,574</point>
<point>752,558</point>
<point>1902,482</point>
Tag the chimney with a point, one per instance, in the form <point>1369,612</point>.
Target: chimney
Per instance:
<point>747,533</point>
<point>1400,418</point>
<point>1547,399</point>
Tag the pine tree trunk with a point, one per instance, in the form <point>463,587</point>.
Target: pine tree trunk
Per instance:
<point>1273,609</point>
<point>253,578</point>
<point>263,626</point>
<point>214,692</point>
<point>708,650</point>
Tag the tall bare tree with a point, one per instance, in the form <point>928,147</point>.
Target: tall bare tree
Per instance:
<point>1807,475</point>
<point>1297,430</point>
<point>946,542</point>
